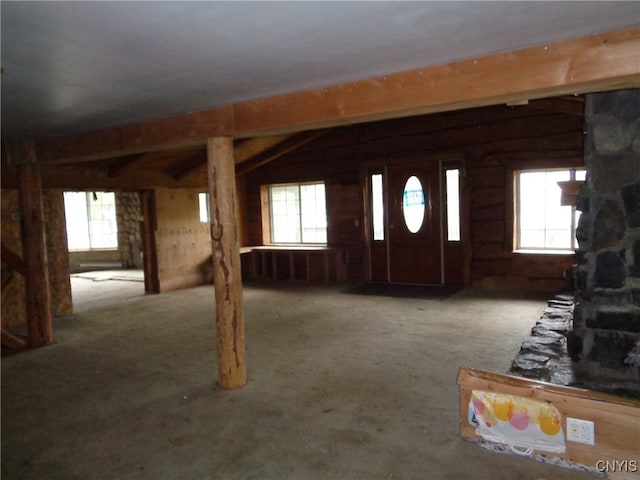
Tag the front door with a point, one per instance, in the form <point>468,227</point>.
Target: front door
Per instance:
<point>409,238</point>
<point>414,223</point>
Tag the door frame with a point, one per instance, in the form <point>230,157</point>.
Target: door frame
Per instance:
<point>446,160</point>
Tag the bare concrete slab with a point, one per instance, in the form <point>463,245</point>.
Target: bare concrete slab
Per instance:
<point>340,387</point>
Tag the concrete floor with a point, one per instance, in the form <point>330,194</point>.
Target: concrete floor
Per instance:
<point>340,387</point>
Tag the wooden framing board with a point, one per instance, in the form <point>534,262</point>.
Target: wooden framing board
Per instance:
<point>616,419</point>
<point>606,61</point>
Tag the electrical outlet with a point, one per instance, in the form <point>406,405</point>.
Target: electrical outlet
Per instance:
<point>581,431</point>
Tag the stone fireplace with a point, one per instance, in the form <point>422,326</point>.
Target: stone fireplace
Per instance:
<point>591,338</point>
<point>605,342</point>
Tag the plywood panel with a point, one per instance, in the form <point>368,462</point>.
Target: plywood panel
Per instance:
<point>183,245</point>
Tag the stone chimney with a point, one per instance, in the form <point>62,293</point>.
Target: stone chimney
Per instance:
<point>607,277</point>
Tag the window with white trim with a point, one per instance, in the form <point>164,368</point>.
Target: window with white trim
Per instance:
<point>204,208</point>
<point>298,213</point>
<point>91,220</point>
<point>542,224</point>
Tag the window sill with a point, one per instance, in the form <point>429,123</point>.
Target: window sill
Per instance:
<point>293,246</point>
<point>525,251</point>
<point>87,250</point>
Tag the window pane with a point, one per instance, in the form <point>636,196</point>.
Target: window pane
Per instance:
<point>103,229</point>
<point>314,214</point>
<point>413,204</point>
<point>453,205</point>
<point>377,206</point>
<point>298,213</point>
<point>91,220</point>
<point>203,206</point>
<point>75,207</point>
<point>543,222</point>
<point>285,209</point>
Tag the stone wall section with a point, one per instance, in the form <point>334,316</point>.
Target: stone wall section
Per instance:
<point>607,314</point>
<point>129,218</point>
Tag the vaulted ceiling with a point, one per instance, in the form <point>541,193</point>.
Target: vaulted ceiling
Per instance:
<point>72,67</point>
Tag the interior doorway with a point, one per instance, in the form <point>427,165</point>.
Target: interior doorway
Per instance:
<point>414,227</point>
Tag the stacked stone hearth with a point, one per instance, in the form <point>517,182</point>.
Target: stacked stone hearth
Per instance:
<point>603,337</point>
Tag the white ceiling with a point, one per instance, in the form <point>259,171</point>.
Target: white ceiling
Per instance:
<point>70,67</point>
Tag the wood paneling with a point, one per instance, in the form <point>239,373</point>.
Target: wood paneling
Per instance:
<point>494,141</point>
<point>182,241</point>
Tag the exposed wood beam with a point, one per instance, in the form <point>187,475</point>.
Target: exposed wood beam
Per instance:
<point>12,259</point>
<point>606,61</point>
<point>227,272</point>
<point>188,165</point>
<point>288,146</point>
<point>249,148</point>
<point>186,130</point>
<point>81,177</point>
<point>11,341</point>
<point>569,106</point>
<point>600,62</point>
<point>7,277</point>
<point>123,163</point>
<point>34,251</point>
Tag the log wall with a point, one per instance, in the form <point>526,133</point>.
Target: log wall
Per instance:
<point>494,142</point>
<point>183,242</point>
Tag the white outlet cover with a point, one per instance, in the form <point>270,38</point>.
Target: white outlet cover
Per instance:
<point>580,431</point>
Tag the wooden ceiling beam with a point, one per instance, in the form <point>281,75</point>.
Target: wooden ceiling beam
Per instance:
<point>287,146</point>
<point>123,164</point>
<point>606,61</point>
<point>190,129</point>
<point>246,149</point>
<point>600,62</point>
<point>569,106</point>
<point>189,165</point>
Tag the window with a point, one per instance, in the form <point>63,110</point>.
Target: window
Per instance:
<point>541,222</point>
<point>298,213</point>
<point>377,206</point>
<point>413,204</point>
<point>91,220</point>
<point>203,206</point>
<point>452,178</point>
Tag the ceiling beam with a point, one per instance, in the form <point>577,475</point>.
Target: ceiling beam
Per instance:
<point>190,129</point>
<point>606,61</point>
<point>123,163</point>
<point>279,150</point>
<point>188,165</point>
<point>247,149</point>
<point>566,105</point>
<point>600,62</point>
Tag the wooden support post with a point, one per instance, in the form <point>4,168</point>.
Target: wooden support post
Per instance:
<point>227,271</point>
<point>39,316</point>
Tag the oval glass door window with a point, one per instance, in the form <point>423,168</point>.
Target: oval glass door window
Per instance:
<point>413,204</point>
